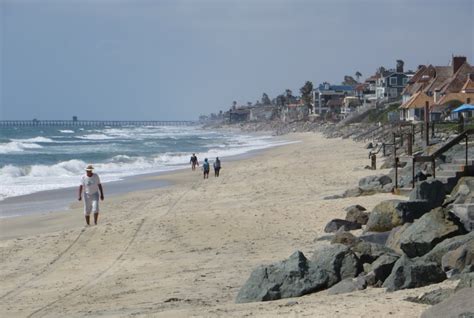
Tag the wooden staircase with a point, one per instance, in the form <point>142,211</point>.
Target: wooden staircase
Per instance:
<point>450,173</point>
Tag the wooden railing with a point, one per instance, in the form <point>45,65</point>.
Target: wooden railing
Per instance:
<point>432,158</point>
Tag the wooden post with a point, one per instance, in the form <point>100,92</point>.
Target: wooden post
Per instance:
<point>466,152</point>
<point>373,160</point>
<point>427,123</point>
<point>396,173</point>
<point>396,161</point>
<point>409,144</point>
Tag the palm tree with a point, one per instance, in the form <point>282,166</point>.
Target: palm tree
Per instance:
<point>358,75</point>
<point>288,96</point>
<point>307,94</point>
<point>381,70</point>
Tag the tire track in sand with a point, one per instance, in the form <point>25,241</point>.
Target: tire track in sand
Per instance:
<point>120,258</point>
<point>49,267</point>
<point>94,278</point>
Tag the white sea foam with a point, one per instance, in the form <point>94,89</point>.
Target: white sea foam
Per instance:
<point>21,180</point>
<point>66,131</point>
<point>95,137</point>
<point>17,146</point>
<point>35,139</point>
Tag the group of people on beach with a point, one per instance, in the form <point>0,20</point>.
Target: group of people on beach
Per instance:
<point>91,188</point>
<point>206,166</point>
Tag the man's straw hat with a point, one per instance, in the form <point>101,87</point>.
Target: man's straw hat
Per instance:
<point>89,168</point>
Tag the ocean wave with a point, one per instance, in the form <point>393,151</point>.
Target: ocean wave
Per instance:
<point>66,131</point>
<point>95,137</point>
<point>120,162</point>
<point>17,146</point>
<point>35,139</point>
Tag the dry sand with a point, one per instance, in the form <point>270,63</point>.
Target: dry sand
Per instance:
<point>185,250</point>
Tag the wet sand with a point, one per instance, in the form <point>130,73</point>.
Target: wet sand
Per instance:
<point>186,249</point>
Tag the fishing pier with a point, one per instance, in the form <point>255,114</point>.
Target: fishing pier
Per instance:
<point>94,123</point>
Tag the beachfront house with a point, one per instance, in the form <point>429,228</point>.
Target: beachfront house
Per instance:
<point>390,83</point>
<point>447,102</point>
<point>349,104</point>
<point>295,111</point>
<point>238,115</point>
<point>262,112</point>
<point>439,88</point>
<point>365,92</point>
<point>326,92</point>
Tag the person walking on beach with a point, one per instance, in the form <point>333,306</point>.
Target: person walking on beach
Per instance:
<point>90,184</point>
<point>194,162</point>
<point>205,168</point>
<point>217,167</point>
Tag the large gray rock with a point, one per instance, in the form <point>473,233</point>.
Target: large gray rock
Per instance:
<point>412,273</point>
<point>290,278</point>
<point>336,224</point>
<point>459,305</point>
<point>458,259</point>
<point>355,207</point>
<point>345,238</point>
<point>374,184</point>
<point>396,234</point>
<point>431,191</point>
<point>409,211</point>
<point>466,281</point>
<point>433,297</point>
<point>392,213</point>
<point>437,253</point>
<point>375,237</point>
<point>384,217</point>
<point>465,214</point>
<point>338,261</point>
<point>348,285</point>
<point>431,229</point>
<point>462,192</point>
<point>349,193</point>
<point>357,214</point>
<point>297,276</point>
<point>368,252</point>
<point>382,266</point>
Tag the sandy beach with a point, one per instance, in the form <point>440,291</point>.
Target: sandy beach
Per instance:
<point>186,249</point>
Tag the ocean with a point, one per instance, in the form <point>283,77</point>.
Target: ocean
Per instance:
<point>34,159</point>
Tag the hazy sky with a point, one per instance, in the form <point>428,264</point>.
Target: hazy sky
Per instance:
<point>176,59</point>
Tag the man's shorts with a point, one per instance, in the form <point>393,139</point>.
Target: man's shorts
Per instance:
<point>91,203</point>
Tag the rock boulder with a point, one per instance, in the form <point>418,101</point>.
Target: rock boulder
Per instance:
<point>459,305</point>
<point>431,191</point>
<point>357,214</point>
<point>412,273</point>
<point>336,224</point>
<point>290,278</point>
<point>431,229</point>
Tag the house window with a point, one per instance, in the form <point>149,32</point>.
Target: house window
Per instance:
<point>405,81</point>
<point>393,81</point>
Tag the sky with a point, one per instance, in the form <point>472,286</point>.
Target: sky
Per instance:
<point>177,59</point>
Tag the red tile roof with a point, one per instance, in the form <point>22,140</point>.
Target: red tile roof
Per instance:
<point>418,100</point>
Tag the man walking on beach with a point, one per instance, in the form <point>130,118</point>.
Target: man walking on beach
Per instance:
<point>217,167</point>
<point>194,162</point>
<point>205,168</point>
<point>91,185</point>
